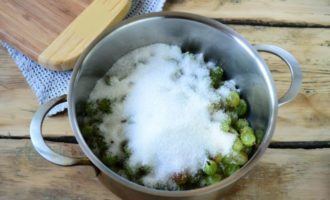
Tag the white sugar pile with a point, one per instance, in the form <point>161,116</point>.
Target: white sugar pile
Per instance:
<point>164,95</point>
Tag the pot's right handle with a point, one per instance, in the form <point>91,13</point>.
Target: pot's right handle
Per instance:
<point>296,75</point>
<point>39,142</point>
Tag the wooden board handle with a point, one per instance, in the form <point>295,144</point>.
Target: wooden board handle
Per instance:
<point>98,17</point>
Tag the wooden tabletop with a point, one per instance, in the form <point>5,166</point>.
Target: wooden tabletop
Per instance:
<point>295,166</point>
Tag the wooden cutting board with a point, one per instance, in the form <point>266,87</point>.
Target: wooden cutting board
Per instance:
<point>55,32</point>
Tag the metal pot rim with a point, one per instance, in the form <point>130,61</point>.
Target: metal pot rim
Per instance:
<point>199,191</point>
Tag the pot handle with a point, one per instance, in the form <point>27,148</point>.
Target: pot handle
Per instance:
<point>296,75</point>
<point>39,143</point>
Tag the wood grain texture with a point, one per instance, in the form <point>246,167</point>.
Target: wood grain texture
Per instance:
<point>26,175</point>
<point>283,12</point>
<point>97,18</point>
<point>281,174</point>
<point>307,118</point>
<point>32,25</point>
<point>309,114</point>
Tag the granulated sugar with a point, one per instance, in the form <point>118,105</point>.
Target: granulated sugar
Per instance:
<point>163,96</point>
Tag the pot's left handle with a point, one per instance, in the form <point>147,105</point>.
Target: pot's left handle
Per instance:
<point>39,142</point>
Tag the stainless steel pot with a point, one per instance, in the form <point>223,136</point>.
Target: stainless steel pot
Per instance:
<point>241,62</point>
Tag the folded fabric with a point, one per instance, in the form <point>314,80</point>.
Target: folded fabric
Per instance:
<point>47,84</point>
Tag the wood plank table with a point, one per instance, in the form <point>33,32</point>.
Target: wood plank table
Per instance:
<point>295,166</point>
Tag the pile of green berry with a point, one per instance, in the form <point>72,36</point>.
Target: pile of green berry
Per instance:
<point>90,116</point>
<point>219,167</point>
<point>215,168</point>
